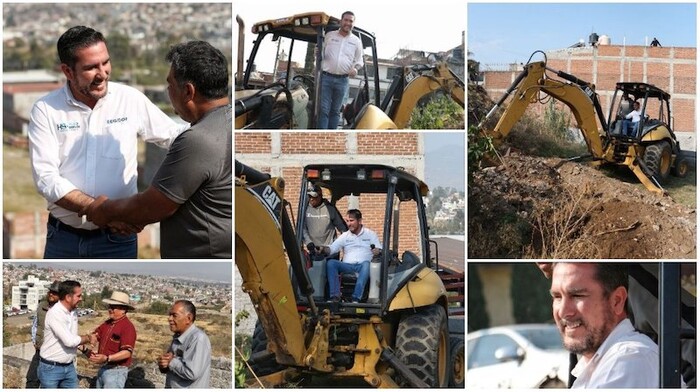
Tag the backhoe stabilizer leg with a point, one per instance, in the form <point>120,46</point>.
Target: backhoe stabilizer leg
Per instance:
<point>649,182</point>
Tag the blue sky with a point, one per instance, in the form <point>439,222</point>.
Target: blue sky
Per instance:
<point>502,33</point>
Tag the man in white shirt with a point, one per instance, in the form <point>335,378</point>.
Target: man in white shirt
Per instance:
<point>83,143</point>
<point>356,244</point>
<point>632,121</point>
<point>588,305</point>
<point>61,339</point>
<point>342,58</point>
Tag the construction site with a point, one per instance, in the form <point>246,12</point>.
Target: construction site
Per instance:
<point>588,190</point>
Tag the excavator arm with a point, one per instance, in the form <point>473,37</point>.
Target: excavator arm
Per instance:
<point>263,232</point>
<point>578,95</point>
<point>440,78</point>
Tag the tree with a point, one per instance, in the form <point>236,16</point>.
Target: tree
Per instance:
<point>477,318</point>
<point>532,302</point>
<point>106,292</point>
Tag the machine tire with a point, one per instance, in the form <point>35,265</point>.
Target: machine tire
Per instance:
<point>422,344</point>
<point>457,364</point>
<point>680,169</point>
<point>259,343</point>
<point>657,157</point>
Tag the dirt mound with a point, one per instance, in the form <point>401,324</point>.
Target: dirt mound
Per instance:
<point>552,208</point>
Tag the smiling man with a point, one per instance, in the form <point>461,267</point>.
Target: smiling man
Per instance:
<point>83,143</point>
<point>588,305</point>
<point>342,58</point>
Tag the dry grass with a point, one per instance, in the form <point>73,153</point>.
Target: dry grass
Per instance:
<point>12,378</point>
<point>558,229</point>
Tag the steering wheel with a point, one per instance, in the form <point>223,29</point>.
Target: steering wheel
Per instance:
<point>306,81</point>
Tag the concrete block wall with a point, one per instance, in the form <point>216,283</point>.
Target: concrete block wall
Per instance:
<point>672,69</point>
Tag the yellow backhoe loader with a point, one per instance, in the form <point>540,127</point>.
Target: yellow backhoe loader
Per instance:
<point>401,334</point>
<point>649,148</point>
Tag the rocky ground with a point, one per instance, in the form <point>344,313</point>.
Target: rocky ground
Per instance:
<point>531,207</point>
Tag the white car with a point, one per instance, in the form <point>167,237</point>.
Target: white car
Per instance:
<point>517,356</point>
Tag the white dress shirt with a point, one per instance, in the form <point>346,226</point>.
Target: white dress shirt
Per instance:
<point>635,115</point>
<point>61,337</point>
<point>626,359</point>
<point>356,248</point>
<point>340,54</point>
<point>92,150</point>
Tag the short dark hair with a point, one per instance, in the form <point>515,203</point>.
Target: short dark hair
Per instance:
<point>611,276</point>
<point>347,13</point>
<point>66,288</point>
<point>77,37</point>
<point>201,64</point>
<point>355,214</point>
<point>188,306</point>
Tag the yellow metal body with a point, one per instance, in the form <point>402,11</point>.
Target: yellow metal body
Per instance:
<point>425,289</point>
<point>260,258</point>
<point>371,117</point>
<point>440,79</point>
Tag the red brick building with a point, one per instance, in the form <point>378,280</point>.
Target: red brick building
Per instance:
<point>672,69</point>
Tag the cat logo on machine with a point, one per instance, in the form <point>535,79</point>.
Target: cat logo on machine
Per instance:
<point>271,198</point>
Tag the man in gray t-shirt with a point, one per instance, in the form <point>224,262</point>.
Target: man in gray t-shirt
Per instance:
<point>322,219</point>
<point>192,191</point>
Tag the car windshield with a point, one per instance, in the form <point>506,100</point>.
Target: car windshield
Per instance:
<point>545,338</point>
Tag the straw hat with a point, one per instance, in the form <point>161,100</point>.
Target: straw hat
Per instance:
<point>118,298</point>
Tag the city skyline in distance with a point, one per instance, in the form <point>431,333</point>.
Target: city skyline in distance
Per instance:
<point>205,270</point>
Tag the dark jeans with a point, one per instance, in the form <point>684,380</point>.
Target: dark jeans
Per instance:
<point>64,244</point>
<point>33,372</point>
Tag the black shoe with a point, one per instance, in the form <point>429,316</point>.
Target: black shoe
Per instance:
<point>335,299</point>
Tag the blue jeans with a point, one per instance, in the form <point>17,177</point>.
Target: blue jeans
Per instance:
<point>112,377</point>
<point>333,92</point>
<point>626,124</point>
<point>62,244</point>
<point>334,267</point>
<point>52,377</point>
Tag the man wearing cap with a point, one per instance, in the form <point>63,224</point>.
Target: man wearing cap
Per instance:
<point>38,333</point>
<point>322,219</point>
<point>116,337</point>
<point>61,339</point>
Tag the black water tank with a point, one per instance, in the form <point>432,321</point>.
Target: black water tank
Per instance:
<point>593,39</point>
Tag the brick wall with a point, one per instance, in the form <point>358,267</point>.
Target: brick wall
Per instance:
<point>296,149</point>
<point>672,69</point>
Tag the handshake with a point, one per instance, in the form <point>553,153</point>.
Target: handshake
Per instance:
<point>100,213</point>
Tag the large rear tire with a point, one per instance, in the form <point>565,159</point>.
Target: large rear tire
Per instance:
<point>258,344</point>
<point>657,157</point>
<point>422,344</point>
<point>680,168</point>
<point>456,363</point>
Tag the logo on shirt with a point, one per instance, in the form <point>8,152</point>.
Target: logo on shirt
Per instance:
<point>117,120</point>
<point>68,126</point>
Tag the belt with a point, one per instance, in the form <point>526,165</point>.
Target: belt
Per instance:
<point>46,361</point>
<point>334,75</point>
<point>53,221</point>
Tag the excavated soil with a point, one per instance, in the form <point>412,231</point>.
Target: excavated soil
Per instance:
<point>533,207</point>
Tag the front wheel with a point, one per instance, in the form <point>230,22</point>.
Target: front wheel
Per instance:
<point>456,363</point>
<point>422,344</point>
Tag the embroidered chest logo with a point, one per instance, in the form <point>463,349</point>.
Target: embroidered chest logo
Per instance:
<point>117,120</point>
<point>67,126</point>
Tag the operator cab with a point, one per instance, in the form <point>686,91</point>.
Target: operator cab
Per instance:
<point>653,105</point>
<point>391,202</point>
<point>284,65</point>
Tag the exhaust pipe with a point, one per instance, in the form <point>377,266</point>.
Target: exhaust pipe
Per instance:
<point>241,53</point>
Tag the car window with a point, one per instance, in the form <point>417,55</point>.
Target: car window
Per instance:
<point>544,339</point>
<point>484,349</point>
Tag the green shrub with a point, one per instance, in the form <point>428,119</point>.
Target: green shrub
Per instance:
<point>441,112</point>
